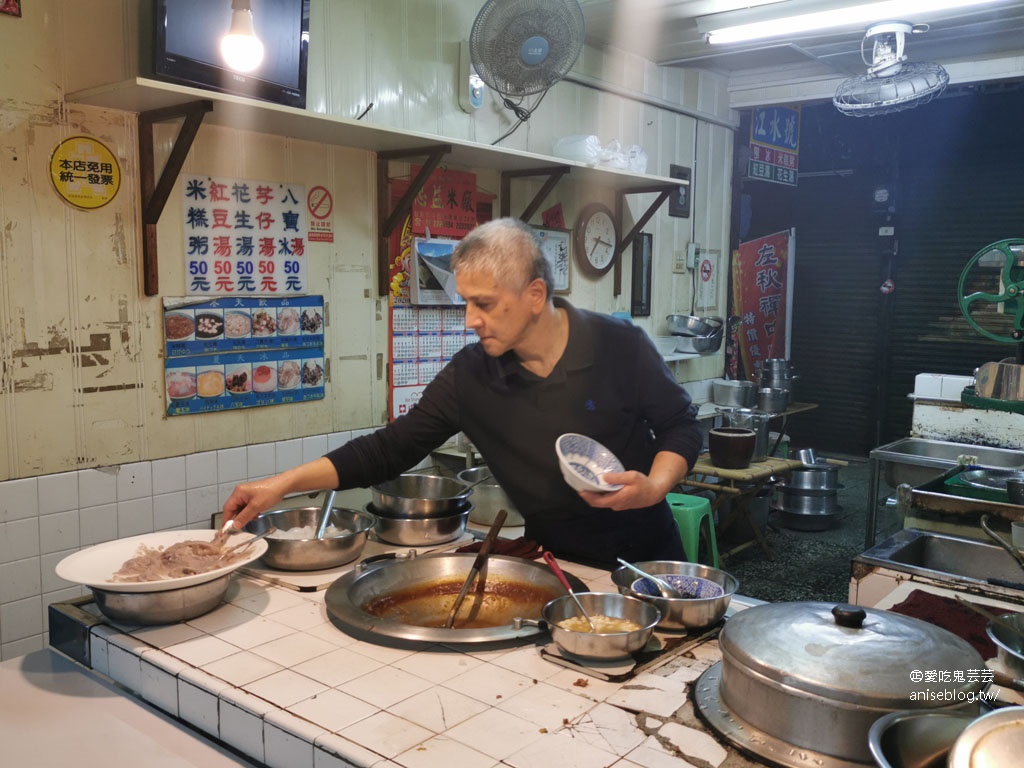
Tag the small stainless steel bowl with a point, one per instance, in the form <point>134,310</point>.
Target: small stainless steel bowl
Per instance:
<point>421,531</point>
<point>681,613</point>
<point>415,495</point>
<point>168,606</point>
<point>1009,646</point>
<point>489,497</point>
<point>689,325</point>
<point>311,554</point>
<point>601,646</point>
<point>741,394</point>
<point>921,739</point>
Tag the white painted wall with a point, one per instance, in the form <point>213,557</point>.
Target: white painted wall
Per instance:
<point>81,373</point>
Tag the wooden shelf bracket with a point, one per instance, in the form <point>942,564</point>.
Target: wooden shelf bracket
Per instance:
<point>155,192</point>
<point>553,174</point>
<point>663,191</point>
<point>387,218</point>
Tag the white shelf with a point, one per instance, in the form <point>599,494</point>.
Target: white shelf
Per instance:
<point>144,94</point>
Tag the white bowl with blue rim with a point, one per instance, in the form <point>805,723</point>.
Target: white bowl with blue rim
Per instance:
<point>584,462</point>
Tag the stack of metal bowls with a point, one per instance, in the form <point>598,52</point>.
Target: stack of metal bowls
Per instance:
<point>809,498</point>
<point>696,335</point>
<point>415,510</point>
<point>776,380</point>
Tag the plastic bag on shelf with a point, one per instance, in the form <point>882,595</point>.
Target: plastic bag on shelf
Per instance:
<point>580,148</point>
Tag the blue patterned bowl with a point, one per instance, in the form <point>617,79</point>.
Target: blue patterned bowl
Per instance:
<point>584,461</point>
<point>690,587</point>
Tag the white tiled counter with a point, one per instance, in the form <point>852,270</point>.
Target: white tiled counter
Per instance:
<point>268,674</point>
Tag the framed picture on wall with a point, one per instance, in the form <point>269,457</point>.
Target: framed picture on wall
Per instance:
<point>556,243</point>
<point>640,296</point>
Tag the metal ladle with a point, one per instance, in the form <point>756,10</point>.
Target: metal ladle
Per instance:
<point>667,590</point>
<point>557,570</point>
<point>244,544</point>
<point>325,513</point>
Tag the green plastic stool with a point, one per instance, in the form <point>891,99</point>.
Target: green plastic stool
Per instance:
<point>692,513</point>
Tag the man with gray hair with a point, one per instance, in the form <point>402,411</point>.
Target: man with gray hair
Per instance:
<point>540,368</point>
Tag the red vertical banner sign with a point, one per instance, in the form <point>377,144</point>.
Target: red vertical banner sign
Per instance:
<point>446,206</point>
<point>760,287</point>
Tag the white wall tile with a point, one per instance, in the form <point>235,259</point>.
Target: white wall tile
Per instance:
<point>261,460</point>
<point>313,447</point>
<point>19,539</point>
<point>97,486</point>
<point>22,647</point>
<point>289,454</point>
<point>200,506</point>
<point>169,510</point>
<point>20,580</point>
<point>58,493</point>
<point>19,499</point>
<point>223,491</point>
<point>135,481</point>
<point>200,469</point>
<point>51,581</point>
<point>59,531</point>
<point>337,439</point>
<point>134,517</point>
<point>231,465</point>
<point>169,475</point>
<point>21,619</point>
<point>97,524</point>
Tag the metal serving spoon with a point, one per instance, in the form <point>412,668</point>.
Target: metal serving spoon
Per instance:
<point>666,589</point>
<point>243,544</point>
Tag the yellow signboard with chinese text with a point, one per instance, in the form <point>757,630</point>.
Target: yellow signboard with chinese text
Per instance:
<point>84,172</point>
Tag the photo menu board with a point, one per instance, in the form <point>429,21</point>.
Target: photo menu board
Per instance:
<point>243,353</point>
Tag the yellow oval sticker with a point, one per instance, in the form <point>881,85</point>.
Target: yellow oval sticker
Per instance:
<point>84,172</point>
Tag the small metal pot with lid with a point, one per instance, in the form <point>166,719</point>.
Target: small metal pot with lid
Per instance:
<point>800,684</point>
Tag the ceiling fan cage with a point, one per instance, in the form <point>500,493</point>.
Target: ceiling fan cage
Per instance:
<point>522,47</point>
<point>892,84</point>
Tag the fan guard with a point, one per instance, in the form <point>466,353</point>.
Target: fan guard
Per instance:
<point>891,84</point>
<point>522,47</point>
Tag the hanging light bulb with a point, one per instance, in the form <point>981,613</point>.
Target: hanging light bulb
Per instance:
<point>241,50</point>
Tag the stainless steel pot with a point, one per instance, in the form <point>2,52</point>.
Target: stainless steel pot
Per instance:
<point>414,495</point>
<point>590,645</point>
<point>687,613</point>
<point>410,599</point>
<point>736,394</point>
<point>489,498</point>
<point>168,606</point>
<point>915,739</point>
<point>699,345</point>
<point>771,400</point>
<point>688,325</point>
<point>420,531</point>
<point>746,418</point>
<point>802,683</point>
<point>310,553</point>
<point>1009,646</point>
<point>820,478</point>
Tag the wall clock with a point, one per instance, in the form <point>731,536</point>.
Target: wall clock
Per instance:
<point>595,238</point>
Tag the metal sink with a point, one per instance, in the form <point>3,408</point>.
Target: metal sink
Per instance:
<point>946,558</point>
<point>916,460</point>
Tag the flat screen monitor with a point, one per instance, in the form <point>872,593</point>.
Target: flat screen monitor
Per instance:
<point>187,47</point>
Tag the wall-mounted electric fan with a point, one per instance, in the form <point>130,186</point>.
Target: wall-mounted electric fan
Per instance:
<point>892,83</point>
<point>523,47</point>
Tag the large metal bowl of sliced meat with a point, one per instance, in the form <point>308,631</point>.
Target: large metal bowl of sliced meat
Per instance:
<point>162,577</point>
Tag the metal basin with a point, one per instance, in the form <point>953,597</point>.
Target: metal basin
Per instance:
<point>343,543</point>
<point>909,739</point>
<point>168,606</point>
<point>916,460</point>
<point>354,600</point>
<point>945,557</point>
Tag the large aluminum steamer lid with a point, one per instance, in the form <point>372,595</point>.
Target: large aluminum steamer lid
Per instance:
<point>851,654</point>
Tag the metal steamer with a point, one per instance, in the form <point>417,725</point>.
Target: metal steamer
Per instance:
<point>808,499</point>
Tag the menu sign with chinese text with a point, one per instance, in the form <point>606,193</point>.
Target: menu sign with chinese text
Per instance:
<point>244,237</point>
<point>446,206</point>
<point>760,296</point>
<point>774,145</point>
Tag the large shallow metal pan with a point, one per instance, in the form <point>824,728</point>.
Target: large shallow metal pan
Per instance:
<point>96,565</point>
<point>410,599</point>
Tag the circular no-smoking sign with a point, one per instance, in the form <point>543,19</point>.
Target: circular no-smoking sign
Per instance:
<point>319,202</point>
<point>705,270</point>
